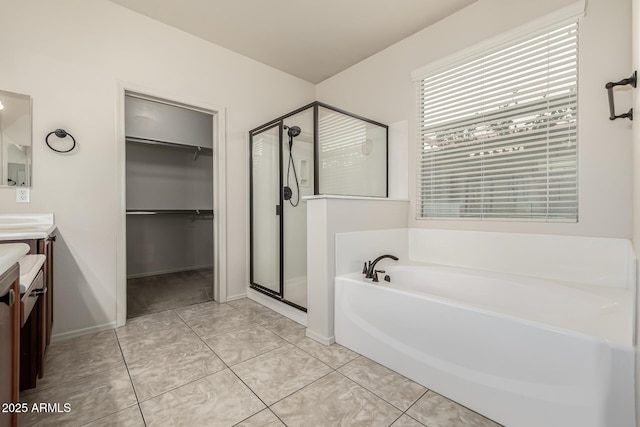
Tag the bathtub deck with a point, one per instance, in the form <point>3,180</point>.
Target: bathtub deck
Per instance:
<point>600,312</point>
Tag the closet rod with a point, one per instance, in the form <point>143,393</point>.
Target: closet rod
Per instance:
<point>197,148</point>
<point>169,211</point>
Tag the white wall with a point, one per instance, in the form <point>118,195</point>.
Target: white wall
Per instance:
<point>69,55</point>
<point>597,261</point>
<point>380,88</point>
<point>635,17</point>
<point>326,216</point>
<point>159,244</point>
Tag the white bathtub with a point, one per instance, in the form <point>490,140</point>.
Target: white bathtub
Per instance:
<point>521,351</point>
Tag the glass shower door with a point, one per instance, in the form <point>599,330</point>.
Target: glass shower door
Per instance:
<point>297,175</point>
<point>265,209</point>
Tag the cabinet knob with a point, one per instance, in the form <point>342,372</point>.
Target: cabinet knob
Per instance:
<point>9,298</point>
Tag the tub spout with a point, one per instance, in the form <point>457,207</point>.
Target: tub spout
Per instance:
<point>372,265</point>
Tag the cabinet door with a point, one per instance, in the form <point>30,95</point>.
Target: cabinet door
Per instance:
<point>9,342</point>
<point>42,324</point>
<point>46,248</point>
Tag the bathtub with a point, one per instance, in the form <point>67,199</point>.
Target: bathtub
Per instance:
<point>524,352</point>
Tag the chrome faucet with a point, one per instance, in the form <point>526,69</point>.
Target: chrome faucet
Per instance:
<point>370,271</point>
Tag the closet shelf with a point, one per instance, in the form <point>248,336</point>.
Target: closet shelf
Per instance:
<point>197,149</point>
<point>169,211</point>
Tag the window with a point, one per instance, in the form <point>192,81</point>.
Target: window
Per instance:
<point>498,132</point>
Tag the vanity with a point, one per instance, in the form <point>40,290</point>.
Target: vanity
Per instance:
<point>26,262</point>
<point>35,234</point>
<point>10,326</point>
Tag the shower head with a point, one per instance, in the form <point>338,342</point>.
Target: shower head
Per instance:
<point>293,131</point>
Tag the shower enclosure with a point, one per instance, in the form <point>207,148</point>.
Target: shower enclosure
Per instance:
<point>314,150</point>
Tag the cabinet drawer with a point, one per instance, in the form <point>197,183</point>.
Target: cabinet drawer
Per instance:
<point>30,297</point>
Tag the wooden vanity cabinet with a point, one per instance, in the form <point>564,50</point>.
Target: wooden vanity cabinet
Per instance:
<point>9,335</point>
<point>32,337</point>
<point>36,315</point>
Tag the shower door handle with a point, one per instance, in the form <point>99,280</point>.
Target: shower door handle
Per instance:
<point>278,209</point>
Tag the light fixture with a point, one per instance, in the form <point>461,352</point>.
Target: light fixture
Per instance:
<point>1,106</point>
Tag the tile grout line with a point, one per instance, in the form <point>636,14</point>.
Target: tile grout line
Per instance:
<point>286,342</point>
<point>230,367</point>
<point>302,388</point>
<point>135,393</point>
<point>276,415</point>
<point>35,390</point>
<point>234,372</point>
<point>85,377</point>
<point>414,403</point>
<point>181,385</point>
<point>194,380</point>
<point>231,370</point>
<point>293,343</point>
<point>376,394</point>
<point>237,330</point>
<point>108,415</point>
<point>380,397</point>
<point>267,407</point>
<point>316,357</point>
<point>282,342</point>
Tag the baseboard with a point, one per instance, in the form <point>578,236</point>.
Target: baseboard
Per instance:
<point>292,313</point>
<point>235,297</point>
<point>79,332</point>
<point>173,270</point>
<point>320,338</point>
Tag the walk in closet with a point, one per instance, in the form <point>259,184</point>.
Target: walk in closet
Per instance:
<point>169,203</point>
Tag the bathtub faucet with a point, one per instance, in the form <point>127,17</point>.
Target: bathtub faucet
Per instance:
<point>372,265</point>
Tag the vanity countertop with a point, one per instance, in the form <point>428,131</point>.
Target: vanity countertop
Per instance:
<point>10,253</point>
<point>26,226</point>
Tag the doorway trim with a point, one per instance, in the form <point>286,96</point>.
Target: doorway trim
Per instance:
<point>219,191</point>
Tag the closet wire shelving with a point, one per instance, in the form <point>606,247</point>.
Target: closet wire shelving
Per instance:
<point>198,150</point>
<point>159,296</point>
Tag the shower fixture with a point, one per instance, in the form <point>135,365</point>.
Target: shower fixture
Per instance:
<point>327,150</point>
<point>292,131</point>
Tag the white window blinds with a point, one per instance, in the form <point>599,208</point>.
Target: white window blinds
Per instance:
<point>498,132</point>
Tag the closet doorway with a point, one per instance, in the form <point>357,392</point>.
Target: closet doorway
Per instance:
<point>169,183</point>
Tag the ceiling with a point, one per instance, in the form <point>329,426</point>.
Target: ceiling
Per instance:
<point>310,39</point>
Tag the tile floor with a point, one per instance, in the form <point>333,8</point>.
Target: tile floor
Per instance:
<point>152,294</point>
<point>229,364</point>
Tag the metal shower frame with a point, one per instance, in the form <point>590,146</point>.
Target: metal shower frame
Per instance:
<point>279,122</point>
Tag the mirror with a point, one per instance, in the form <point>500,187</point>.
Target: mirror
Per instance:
<point>15,139</point>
